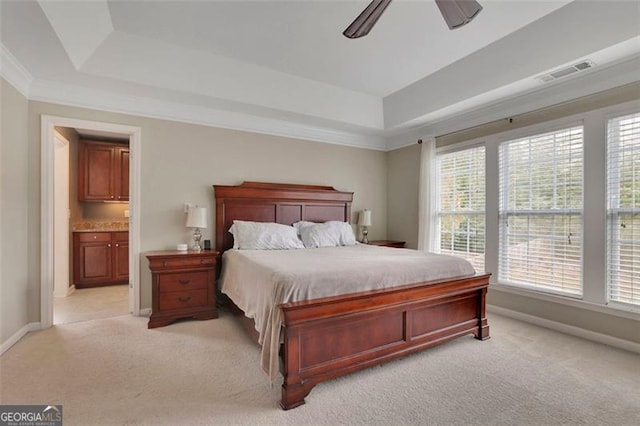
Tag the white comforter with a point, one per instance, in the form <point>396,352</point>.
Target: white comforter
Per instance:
<point>258,281</point>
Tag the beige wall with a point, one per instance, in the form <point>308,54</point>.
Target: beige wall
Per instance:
<point>403,178</point>
<point>180,162</point>
<point>17,291</point>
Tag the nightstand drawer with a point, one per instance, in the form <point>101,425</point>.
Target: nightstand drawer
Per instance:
<point>186,299</point>
<point>181,262</point>
<point>182,281</point>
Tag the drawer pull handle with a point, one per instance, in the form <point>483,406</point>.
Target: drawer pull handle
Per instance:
<point>164,263</point>
<point>184,282</point>
<point>184,299</point>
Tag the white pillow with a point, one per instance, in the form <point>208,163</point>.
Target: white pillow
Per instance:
<point>302,224</point>
<point>328,234</point>
<point>264,236</point>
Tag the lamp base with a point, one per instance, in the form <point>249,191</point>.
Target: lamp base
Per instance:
<point>197,236</point>
<point>365,232</point>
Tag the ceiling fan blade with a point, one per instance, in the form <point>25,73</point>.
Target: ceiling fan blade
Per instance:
<point>367,19</point>
<point>457,13</point>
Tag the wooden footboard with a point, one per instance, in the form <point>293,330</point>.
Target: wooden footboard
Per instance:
<point>330,337</point>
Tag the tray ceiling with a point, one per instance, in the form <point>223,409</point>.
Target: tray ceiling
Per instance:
<point>285,64</point>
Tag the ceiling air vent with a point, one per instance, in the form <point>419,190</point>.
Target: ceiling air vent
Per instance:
<point>566,71</point>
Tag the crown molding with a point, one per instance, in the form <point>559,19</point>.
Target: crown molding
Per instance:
<point>66,94</point>
<point>600,79</point>
<point>71,95</point>
<point>14,73</point>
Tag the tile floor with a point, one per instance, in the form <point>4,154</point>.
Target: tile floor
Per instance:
<point>91,303</point>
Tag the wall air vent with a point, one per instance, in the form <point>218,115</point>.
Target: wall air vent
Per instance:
<point>566,71</point>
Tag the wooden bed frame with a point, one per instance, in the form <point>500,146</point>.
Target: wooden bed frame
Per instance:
<point>330,337</point>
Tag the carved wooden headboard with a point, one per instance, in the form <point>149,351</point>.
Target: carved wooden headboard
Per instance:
<point>276,202</point>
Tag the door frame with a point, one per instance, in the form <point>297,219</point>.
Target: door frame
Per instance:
<point>61,188</point>
<point>47,128</point>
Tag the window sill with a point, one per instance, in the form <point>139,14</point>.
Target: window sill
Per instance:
<point>613,309</point>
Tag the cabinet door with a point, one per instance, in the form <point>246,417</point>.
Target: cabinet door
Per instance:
<point>94,263</point>
<point>122,173</point>
<point>96,172</point>
<point>121,256</point>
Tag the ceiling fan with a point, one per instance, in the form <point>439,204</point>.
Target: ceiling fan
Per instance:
<point>456,13</point>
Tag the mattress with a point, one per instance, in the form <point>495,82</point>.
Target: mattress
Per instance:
<point>258,281</point>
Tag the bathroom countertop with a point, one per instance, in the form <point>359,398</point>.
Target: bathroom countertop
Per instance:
<point>100,230</point>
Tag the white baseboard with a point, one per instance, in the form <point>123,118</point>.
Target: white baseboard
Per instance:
<point>33,326</point>
<point>567,329</point>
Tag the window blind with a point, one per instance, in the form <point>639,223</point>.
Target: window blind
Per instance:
<point>623,209</point>
<point>460,204</point>
<point>541,181</point>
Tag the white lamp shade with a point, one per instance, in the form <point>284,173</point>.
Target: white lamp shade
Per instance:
<point>197,217</point>
<point>365,218</point>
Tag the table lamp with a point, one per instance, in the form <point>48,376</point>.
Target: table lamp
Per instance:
<point>197,218</point>
<point>365,221</point>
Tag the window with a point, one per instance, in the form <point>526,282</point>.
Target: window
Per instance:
<point>623,209</point>
<point>540,211</point>
<point>460,204</point>
<point>546,223</point>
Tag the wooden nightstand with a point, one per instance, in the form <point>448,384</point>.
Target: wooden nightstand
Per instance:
<point>387,243</point>
<point>183,286</point>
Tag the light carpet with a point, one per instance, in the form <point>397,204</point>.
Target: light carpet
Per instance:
<point>116,371</point>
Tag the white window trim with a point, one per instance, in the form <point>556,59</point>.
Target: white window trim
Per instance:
<point>559,127</point>
<point>462,146</point>
<point>615,211</point>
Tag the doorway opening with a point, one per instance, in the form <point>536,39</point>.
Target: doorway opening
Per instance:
<point>67,223</point>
